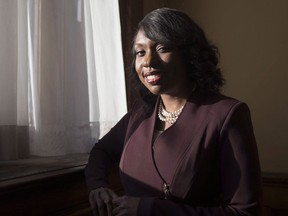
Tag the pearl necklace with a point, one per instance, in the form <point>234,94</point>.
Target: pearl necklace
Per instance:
<point>166,116</point>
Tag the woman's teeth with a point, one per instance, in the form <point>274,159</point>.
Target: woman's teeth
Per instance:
<point>152,78</point>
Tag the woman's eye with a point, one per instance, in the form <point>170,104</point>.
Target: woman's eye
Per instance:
<point>140,53</point>
<point>163,49</point>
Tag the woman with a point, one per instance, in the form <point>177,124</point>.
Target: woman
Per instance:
<point>185,149</point>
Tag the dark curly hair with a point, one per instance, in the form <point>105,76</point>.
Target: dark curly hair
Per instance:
<point>176,29</point>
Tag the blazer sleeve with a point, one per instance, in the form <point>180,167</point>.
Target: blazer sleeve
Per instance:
<point>105,155</point>
<point>240,174</point>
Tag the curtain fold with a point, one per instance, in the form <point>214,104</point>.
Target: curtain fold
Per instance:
<point>66,74</point>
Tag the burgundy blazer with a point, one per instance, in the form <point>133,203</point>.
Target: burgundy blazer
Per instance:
<point>208,157</point>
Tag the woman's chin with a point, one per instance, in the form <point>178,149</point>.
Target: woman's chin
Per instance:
<point>155,89</point>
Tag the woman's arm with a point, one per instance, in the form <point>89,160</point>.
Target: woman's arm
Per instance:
<point>106,154</point>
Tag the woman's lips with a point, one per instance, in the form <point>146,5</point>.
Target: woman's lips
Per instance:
<point>153,79</point>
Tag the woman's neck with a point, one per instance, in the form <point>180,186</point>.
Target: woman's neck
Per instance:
<point>177,97</point>
<point>173,103</point>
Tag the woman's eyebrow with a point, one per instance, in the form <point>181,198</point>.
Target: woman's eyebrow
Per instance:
<point>138,44</point>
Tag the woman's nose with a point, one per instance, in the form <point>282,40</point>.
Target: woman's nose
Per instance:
<point>150,60</point>
<point>146,63</point>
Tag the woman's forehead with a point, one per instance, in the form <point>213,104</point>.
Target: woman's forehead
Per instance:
<point>141,38</point>
<point>144,38</point>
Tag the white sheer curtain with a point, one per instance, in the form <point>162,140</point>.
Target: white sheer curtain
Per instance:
<point>61,75</point>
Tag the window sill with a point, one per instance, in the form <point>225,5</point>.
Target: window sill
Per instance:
<point>44,186</point>
<point>38,167</point>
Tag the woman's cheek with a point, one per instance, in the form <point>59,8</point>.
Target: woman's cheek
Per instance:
<point>138,68</point>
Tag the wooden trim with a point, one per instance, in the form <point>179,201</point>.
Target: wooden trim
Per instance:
<point>6,185</point>
<point>131,12</point>
<point>275,194</point>
<point>61,192</point>
<point>275,179</point>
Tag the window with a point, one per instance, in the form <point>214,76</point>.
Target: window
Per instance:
<point>62,76</point>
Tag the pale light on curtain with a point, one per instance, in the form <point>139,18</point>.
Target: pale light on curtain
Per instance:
<point>61,78</point>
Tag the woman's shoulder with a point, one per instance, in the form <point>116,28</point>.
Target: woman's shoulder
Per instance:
<point>137,112</point>
<point>141,109</point>
<point>224,102</point>
<point>218,104</point>
<point>214,100</point>
<point>137,107</point>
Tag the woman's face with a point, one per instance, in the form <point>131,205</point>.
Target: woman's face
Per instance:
<point>160,68</point>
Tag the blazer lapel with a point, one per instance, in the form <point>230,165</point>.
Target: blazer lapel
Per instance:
<point>136,160</point>
<point>177,150</point>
